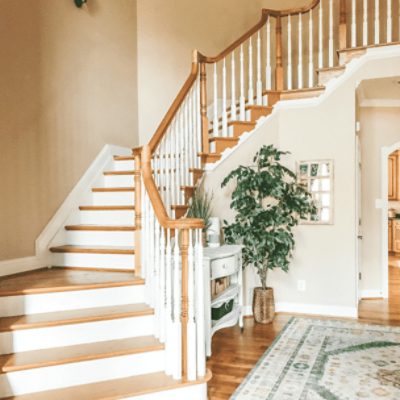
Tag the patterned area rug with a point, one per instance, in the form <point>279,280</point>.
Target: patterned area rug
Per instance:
<point>327,360</point>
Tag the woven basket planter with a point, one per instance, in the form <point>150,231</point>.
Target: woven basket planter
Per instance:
<point>263,305</point>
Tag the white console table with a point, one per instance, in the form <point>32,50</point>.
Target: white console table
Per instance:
<point>220,262</point>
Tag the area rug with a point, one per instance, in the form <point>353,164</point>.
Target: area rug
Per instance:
<point>327,360</point>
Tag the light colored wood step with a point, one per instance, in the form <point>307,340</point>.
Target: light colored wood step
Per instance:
<point>59,279</point>
<point>209,158</point>
<point>114,189</point>
<point>124,158</point>
<point>328,73</point>
<point>273,96</point>
<point>44,320</point>
<point>238,127</point>
<point>107,208</point>
<point>223,143</point>
<point>77,353</point>
<point>197,174</point>
<point>116,389</point>
<point>188,192</point>
<point>93,249</point>
<point>119,173</point>
<point>102,228</point>
<point>256,112</point>
<point>302,93</point>
<point>180,210</point>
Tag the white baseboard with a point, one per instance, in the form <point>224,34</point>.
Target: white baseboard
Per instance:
<point>74,199</point>
<point>369,294</point>
<point>17,265</point>
<point>311,309</point>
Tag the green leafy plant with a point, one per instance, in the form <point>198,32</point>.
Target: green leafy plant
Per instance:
<point>200,206</point>
<point>268,202</point>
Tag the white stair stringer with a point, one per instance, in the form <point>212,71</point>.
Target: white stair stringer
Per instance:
<point>79,373</point>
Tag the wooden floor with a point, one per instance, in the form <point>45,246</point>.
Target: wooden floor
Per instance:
<point>234,353</point>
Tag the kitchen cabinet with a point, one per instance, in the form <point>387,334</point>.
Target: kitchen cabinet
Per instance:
<point>396,236</point>
<point>390,235</point>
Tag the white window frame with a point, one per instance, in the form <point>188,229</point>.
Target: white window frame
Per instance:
<point>307,180</point>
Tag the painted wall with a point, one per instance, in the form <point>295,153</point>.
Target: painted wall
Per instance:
<point>325,256</point>
<point>69,86</point>
<point>380,127</point>
<point>167,35</point>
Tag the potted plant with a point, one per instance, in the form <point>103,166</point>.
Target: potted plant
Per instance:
<point>268,202</point>
<point>200,207</point>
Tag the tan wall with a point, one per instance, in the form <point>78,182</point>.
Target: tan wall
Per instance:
<point>167,34</point>
<point>325,256</point>
<point>69,86</point>
<point>380,127</point>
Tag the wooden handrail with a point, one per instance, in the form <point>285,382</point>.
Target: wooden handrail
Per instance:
<point>156,201</point>
<point>291,11</point>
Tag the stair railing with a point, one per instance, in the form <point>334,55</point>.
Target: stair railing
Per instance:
<point>283,51</point>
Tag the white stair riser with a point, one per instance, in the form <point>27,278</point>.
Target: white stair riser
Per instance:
<point>119,180</point>
<point>73,300</point>
<point>79,373</point>
<point>128,165</point>
<point>113,198</point>
<point>101,238</point>
<point>194,392</point>
<point>68,335</point>
<point>107,217</point>
<point>113,261</point>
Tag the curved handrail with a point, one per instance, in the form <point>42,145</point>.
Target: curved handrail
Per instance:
<point>292,11</point>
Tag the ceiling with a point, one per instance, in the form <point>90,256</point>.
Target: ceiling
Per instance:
<point>382,92</point>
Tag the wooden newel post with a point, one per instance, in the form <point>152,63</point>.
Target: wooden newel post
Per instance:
<point>279,66</point>
<point>185,301</point>
<point>343,25</point>
<point>203,108</point>
<point>138,212</point>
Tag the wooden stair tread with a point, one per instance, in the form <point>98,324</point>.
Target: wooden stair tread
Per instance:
<point>110,173</point>
<point>93,249</point>
<point>257,107</point>
<point>69,317</point>
<point>77,353</point>
<point>224,139</point>
<point>106,228</point>
<point>107,208</point>
<point>115,389</point>
<point>124,158</point>
<point>370,46</point>
<point>179,207</point>
<point>114,189</point>
<point>336,68</point>
<point>235,123</point>
<point>59,279</point>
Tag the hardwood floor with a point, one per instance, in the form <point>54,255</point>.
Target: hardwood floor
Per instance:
<point>234,353</point>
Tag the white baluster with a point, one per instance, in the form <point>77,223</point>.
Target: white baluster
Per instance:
<point>300,63</point>
<point>233,88</point>
<point>181,156</point>
<point>331,33</point>
<point>215,119</point>
<point>168,308</point>
<point>259,78</point>
<point>365,22</point>
<point>161,286</point>
<point>376,24</point>
<point>224,103</point>
<point>353,24</point>
<point>177,345</point>
<point>242,98</point>
<point>191,326</point>
<point>172,163</point>
<point>143,229</point>
<point>311,53</point>
<point>186,147</point>
<point>156,275</point>
<point>268,69</point>
<point>389,22</point>
<point>320,37</point>
<point>251,91</point>
<point>199,132</point>
<point>289,68</point>
<point>199,279</point>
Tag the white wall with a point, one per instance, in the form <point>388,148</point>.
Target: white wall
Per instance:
<point>380,127</point>
<point>325,256</point>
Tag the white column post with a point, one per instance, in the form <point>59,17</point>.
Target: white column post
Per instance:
<point>331,33</point>
<point>233,88</point>
<point>376,24</point>
<point>389,22</point>
<point>365,22</point>
<point>300,63</point>
<point>268,69</point>
<point>353,24</point>
<point>289,68</point>
<point>251,90</point>
<point>224,103</point>
<point>215,119</point>
<point>320,37</point>
<point>242,98</point>
<point>311,52</point>
<point>259,78</point>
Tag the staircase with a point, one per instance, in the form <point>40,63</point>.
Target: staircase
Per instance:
<point>119,312</point>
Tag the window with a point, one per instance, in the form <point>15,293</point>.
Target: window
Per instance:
<point>317,178</point>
